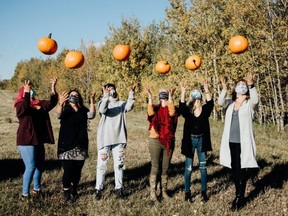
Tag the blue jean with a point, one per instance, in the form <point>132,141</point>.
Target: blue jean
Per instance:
<point>118,152</point>
<point>33,158</point>
<point>196,144</point>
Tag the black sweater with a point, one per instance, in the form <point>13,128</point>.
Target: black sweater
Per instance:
<point>186,147</point>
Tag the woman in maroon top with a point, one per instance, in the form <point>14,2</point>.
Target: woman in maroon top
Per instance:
<point>34,130</point>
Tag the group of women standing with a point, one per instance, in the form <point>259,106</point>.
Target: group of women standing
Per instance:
<point>237,149</point>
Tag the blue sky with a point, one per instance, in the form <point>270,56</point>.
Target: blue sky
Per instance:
<point>23,22</point>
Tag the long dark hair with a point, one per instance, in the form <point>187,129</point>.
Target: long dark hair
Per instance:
<point>234,94</point>
<point>80,99</point>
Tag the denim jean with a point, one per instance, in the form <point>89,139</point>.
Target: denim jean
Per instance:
<point>118,153</point>
<point>33,158</point>
<point>196,144</point>
<point>159,157</point>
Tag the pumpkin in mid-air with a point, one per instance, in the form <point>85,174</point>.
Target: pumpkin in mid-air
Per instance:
<point>163,67</point>
<point>121,52</point>
<point>47,45</point>
<point>193,62</point>
<point>74,59</point>
<point>238,44</point>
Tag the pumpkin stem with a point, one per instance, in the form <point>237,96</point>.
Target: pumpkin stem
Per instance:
<point>194,61</point>
<point>50,35</point>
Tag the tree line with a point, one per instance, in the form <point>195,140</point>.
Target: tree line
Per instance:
<point>201,27</point>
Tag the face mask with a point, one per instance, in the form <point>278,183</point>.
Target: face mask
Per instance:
<point>73,99</point>
<point>196,95</point>
<point>112,93</point>
<point>163,95</point>
<point>241,89</point>
<point>32,93</point>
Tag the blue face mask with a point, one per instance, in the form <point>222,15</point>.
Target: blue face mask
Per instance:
<point>32,93</point>
<point>196,95</point>
<point>73,99</point>
<point>241,89</point>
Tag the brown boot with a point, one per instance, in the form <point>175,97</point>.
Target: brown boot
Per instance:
<point>153,182</point>
<point>164,183</point>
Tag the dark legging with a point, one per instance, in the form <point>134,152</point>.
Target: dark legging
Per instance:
<point>238,174</point>
<point>72,172</point>
<point>159,157</point>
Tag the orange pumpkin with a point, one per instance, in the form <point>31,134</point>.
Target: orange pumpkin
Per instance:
<point>121,52</point>
<point>193,62</point>
<point>74,59</point>
<point>163,67</point>
<point>238,44</point>
<point>47,45</point>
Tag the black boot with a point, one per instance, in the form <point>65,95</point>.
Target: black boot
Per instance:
<point>236,183</point>
<point>239,201</point>
<point>98,194</point>
<point>67,195</point>
<point>204,196</point>
<point>119,193</point>
<point>188,197</point>
<point>73,192</point>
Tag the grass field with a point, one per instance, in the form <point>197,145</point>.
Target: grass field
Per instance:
<point>267,190</point>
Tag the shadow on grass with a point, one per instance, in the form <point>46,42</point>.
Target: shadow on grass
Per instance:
<point>14,168</point>
<point>274,179</point>
<point>137,178</point>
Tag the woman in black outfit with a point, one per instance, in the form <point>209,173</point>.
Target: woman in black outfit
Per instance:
<point>73,138</point>
<point>196,135</point>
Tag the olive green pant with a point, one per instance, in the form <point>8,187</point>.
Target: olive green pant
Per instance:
<point>159,157</point>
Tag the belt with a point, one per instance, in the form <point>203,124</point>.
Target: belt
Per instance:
<point>196,136</point>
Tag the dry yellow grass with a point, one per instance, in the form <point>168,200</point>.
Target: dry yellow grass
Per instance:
<point>267,192</point>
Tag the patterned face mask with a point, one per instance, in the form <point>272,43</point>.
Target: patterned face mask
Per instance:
<point>241,89</point>
<point>163,95</point>
<point>195,95</point>
<point>73,99</point>
<point>112,93</point>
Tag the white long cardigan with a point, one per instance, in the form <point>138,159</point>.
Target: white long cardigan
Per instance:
<point>246,113</point>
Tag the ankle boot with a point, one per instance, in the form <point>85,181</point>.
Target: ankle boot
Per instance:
<point>164,183</point>
<point>187,196</point>
<point>73,192</point>
<point>67,195</point>
<point>153,182</point>
<point>239,201</point>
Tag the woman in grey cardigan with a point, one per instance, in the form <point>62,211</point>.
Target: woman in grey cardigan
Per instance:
<point>238,149</point>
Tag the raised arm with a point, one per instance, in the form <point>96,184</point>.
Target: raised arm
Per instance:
<point>92,111</point>
<point>206,90</point>
<point>131,99</point>
<point>171,106</point>
<point>150,110</point>
<point>222,101</point>
<point>254,100</point>
<point>103,104</point>
<point>63,97</point>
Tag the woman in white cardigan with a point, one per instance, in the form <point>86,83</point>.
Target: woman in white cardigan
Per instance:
<point>238,149</point>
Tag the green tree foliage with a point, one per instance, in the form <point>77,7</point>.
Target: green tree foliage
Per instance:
<point>202,27</point>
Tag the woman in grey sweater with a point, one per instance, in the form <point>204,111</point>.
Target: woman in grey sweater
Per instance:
<point>112,136</point>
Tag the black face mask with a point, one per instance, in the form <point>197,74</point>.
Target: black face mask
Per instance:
<point>73,99</point>
<point>163,95</point>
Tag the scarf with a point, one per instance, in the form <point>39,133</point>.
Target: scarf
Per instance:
<point>165,126</point>
<point>20,98</point>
